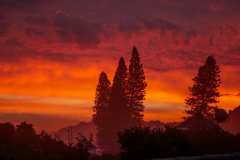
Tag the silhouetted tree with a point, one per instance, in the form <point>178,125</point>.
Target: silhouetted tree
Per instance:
<point>204,93</point>
<point>101,114</point>
<point>26,141</point>
<point>84,147</point>
<point>119,116</point>
<point>7,133</point>
<point>27,133</point>
<point>136,86</point>
<point>51,148</point>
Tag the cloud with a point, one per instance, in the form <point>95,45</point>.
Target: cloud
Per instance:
<point>71,29</point>
<point>149,24</point>
<point>14,50</point>
<point>4,26</point>
<point>20,6</point>
<point>35,32</point>
<point>36,20</point>
<point>13,42</point>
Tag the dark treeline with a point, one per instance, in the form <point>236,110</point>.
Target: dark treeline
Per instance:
<point>145,143</point>
<point>21,142</point>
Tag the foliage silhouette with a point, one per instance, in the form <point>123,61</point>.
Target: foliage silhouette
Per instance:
<point>101,112</point>
<point>23,143</point>
<point>146,143</point>
<point>119,115</point>
<point>204,93</point>
<point>136,88</point>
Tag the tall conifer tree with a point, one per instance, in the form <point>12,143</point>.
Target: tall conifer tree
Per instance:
<point>204,93</point>
<point>118,98</point>
<point>100,117</point>
<point>136,87</point>
<point>119,114</point>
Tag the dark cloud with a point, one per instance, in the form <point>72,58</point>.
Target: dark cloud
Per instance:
<point>36,20</point>
<point>4,28</point>
<point>4,25</point>
<point>71,29</point>
<point>61,57</point>
<point>13,42</point>
<point>84,22</point>
<point>13,50</point>
<point>140,24</point>
<point>20,6</point>
<point>159,24</point>
<point>36,32</point>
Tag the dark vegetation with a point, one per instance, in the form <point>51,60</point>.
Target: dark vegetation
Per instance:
<point>118,116</point>
<point>21,142</point>
<point>145,143</point>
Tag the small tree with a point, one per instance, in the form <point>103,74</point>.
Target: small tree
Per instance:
<point>204,93</point>
<point>136,87</point>
<point>84,147</point>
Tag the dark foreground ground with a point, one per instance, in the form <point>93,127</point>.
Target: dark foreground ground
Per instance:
<point>235,156</point>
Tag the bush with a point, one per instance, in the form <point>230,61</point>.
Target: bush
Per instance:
<point>145,143</point>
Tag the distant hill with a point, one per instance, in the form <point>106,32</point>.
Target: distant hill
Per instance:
<point>232,123</point>
<point>87,129</point>
<point>70,133</point>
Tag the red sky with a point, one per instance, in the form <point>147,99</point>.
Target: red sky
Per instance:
<point>52,51</point>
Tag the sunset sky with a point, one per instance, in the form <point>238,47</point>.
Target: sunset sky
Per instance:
<point>52,51</point>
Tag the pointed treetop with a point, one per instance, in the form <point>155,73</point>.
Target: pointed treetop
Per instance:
<point>121,61</point>
<point>103,87</point>
<point>210,60</point>
<point>204,93</point>
<point>121,72</point>
<point>135,49</point>
<point>103,76</point>
<point>121,65</point>
<point>135,52</point>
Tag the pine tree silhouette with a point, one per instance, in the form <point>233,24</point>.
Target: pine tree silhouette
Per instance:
<point>119,114</point>
<point>101,112</point>
<point>118,99</point>
<point>204,93</point>
<point>136,87</point>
